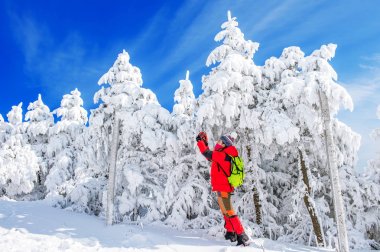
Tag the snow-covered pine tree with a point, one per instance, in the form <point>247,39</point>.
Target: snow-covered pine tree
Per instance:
<point>331,97</point>
<point>360,192</point>
<point>187,195</point>
<point>39,120</point>
<point>302,104</point>
<point>184,99</point>
<point>91,172</point>
<point>369,218</point>
<point>145,153</point>
<point>62,151</point>
<point>147,149</point>
<point>229,85</point>
<point>3,130</point>
<point>231,101</point>
<point>298,212</point>
<point>271,130</point>
<point>15,115</point>
<point>290,159</point>
<point>228,89</point>
<point>85,195</point>
<point>18,163</point>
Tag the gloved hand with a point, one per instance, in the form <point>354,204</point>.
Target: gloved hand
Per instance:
<point>202,136</point>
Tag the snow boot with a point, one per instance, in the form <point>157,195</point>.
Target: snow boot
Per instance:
<point>231,236</point>
<point>242,240</point>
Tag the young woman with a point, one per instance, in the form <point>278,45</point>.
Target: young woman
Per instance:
<point>220,170</point>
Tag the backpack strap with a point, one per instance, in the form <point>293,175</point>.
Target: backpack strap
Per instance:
<point>220,168</point>
<point>228,158</point>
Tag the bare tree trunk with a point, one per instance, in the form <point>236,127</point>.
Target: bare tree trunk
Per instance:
<point>256,202</point>
<point>112,172</point>
<point>256,197</point>
<point>310,208</point>
<point>340,216</point>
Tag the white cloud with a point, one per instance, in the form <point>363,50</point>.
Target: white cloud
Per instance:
<point>365,91</point>
<point>274,16</point>
<point>151,29</point>
<point>56,66</point>
<point>29,36</point>
<point>366,88</point>
<point>372,64</point>
<point>374,58</point>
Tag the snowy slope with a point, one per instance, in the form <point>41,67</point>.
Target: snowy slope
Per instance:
<point>34,226</point>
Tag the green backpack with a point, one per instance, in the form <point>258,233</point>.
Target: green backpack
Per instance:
<point>237,171</point>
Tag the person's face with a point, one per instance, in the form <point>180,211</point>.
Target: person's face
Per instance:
<point>220,142</point>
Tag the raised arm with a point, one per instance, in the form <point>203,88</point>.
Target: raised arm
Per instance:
<point>203,148</point>
<point>216,156</point>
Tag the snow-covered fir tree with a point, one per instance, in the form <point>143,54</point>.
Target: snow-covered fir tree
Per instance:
<point>300,99</point>
<point>184,99</point>
<point>3,130</point>
<point>18,163</point>
<point>145,152</point>
<point>290,159</point>
<point>62,151</point>
<point>227,90</point>
<point>39,120</point>
<point>230,83</point>
<point>234,98</point>
<point>369,219</point>
<point>187,194</point>
<point>270,132</point>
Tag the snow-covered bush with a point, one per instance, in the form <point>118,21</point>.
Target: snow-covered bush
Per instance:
<point>18,163</point>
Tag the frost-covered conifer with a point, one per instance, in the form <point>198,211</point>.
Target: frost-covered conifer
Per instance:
<point>267,134</point>
<point>231,101</point>
<point>62,151</point>
<point>290,158</point>
<point>186,193</point>
<point>18,163</point>
<point>15,115</point>
<point>300,99</point>
<point>39,120</point>
<point>230,84</point>
<point>227,90</point>
<point>3,130</point>
<point>184,98</point>
<point>369,219</point>
<point>145,151</point>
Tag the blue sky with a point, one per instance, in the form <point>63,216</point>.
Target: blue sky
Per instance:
<point>53,47</point>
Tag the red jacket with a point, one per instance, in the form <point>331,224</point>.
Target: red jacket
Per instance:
<point>220,166</point>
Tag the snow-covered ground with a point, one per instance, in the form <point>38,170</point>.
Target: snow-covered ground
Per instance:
<point>35,226</point>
